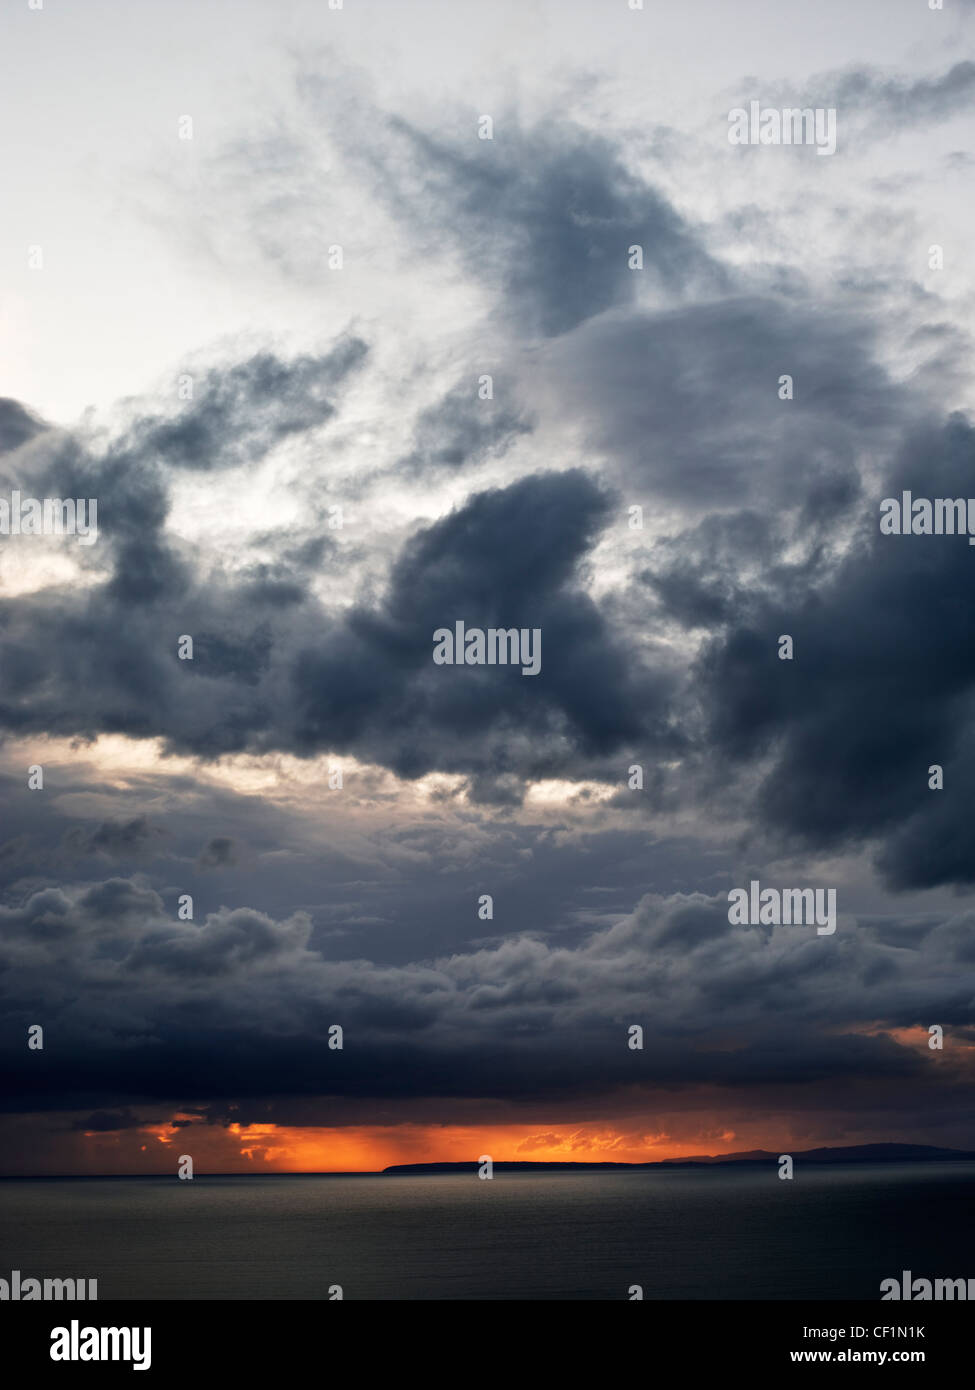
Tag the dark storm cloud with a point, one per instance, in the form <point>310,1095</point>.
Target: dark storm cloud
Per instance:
<point>881,684</point>
<point>685,403</point>
<point>377,883</point>
<point>679,403</point>
<point>267,675</point>
<point>507,558</point>
<point>545,215</point>
<point>138,1007</point>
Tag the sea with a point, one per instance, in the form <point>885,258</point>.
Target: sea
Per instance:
<point>831,1232</point>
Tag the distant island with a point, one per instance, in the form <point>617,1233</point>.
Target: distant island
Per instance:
<point>854,1153</point>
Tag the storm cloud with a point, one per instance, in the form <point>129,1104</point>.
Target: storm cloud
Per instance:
<point>680,461</point>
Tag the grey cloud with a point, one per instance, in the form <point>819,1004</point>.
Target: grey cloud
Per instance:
<point>298,678</point>
<point>218,853</point>
<point>113,839</point>
<point>896,101</point>
<point>109,1121</point>
<point>239,1005</point>
<point>462,429</point>
<point>846,762</point>
<point>684,403</point>
<point>17,425</point>
<point>240,412</point>
<point>545,216</point>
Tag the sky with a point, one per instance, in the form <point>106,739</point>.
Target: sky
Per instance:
<point>257,264</point>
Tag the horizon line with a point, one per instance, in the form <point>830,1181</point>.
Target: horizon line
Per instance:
<point>740,1156</point>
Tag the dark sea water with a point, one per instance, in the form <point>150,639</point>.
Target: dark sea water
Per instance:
<point>832,1233</point>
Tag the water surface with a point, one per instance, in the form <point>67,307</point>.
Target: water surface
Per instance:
<point>720,1233</point>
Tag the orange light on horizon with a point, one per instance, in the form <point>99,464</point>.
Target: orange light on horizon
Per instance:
<point>156,1146</point>
<point>369,1148</point>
